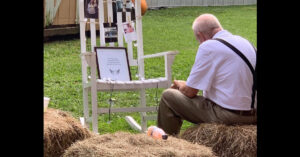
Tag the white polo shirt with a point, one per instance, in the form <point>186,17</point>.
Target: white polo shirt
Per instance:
<point>224,76</point>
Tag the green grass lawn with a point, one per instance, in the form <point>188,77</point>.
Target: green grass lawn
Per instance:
<point>163,30</point>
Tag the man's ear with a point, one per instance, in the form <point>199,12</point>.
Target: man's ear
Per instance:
<point>199,34</point>
<point>198,37</point>
<point>204,36</point>
<point>201,37</point>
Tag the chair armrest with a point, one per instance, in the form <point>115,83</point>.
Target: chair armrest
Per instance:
<point>169,58</point>
<point>160,54</point>
<point>88,57</point>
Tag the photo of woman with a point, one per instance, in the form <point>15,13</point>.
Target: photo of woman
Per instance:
<point>129,31</point>
<point>91,9</point>
<point>128,28</point>
<point>92,6</point>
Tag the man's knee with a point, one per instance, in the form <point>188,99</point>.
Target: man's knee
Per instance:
<point>169,94</point>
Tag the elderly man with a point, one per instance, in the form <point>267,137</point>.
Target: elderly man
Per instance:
<point>224,77</point>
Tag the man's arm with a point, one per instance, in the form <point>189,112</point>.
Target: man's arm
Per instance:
<point>184,89</point>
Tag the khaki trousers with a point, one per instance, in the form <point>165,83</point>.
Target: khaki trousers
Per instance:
<point>175,107</point>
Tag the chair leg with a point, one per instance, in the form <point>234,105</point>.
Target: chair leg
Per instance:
<point>94,109</point>
<point>86,107</point>
<point>133,124</point>
<point>143,114</point>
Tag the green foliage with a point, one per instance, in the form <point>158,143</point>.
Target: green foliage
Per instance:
<point>163,30</point>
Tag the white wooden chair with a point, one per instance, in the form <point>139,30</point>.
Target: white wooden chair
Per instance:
<point>92,84</point>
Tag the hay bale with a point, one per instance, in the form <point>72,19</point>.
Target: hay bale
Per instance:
<point>135,145</point>
<point>234,141</point>
<point>60,131</point>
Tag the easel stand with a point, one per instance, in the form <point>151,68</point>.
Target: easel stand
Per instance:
<point>92,84</point>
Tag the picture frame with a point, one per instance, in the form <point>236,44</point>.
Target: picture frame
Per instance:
<point>128,5</point>
<point>91,9</point>
<point>112,63</point>
<point>119,5</point>
<point>110,32</point>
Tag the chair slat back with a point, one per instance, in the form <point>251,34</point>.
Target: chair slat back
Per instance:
<point>106,15</point>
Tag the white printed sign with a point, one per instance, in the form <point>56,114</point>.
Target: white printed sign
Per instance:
<point>112,63</point>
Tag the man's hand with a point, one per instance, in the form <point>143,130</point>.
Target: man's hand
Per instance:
<point>186,90</point>
<point>177,84</point>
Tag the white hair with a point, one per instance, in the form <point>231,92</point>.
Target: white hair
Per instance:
<point>206,23</point>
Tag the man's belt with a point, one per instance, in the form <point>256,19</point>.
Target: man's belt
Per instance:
<point>239,112</point>
<point>242,113</point>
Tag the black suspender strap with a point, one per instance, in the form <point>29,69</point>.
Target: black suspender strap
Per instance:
<point>247,62</point>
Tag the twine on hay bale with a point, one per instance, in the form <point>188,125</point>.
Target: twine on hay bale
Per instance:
<point>225,140</point>
<point>135,145</point>
<point>60,131</point>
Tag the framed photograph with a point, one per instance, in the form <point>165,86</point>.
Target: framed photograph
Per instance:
<point>111,32</point>
<point>128,5</point>
<point>119,5</point>
<point>112,63</point>
<point>91,9</point>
